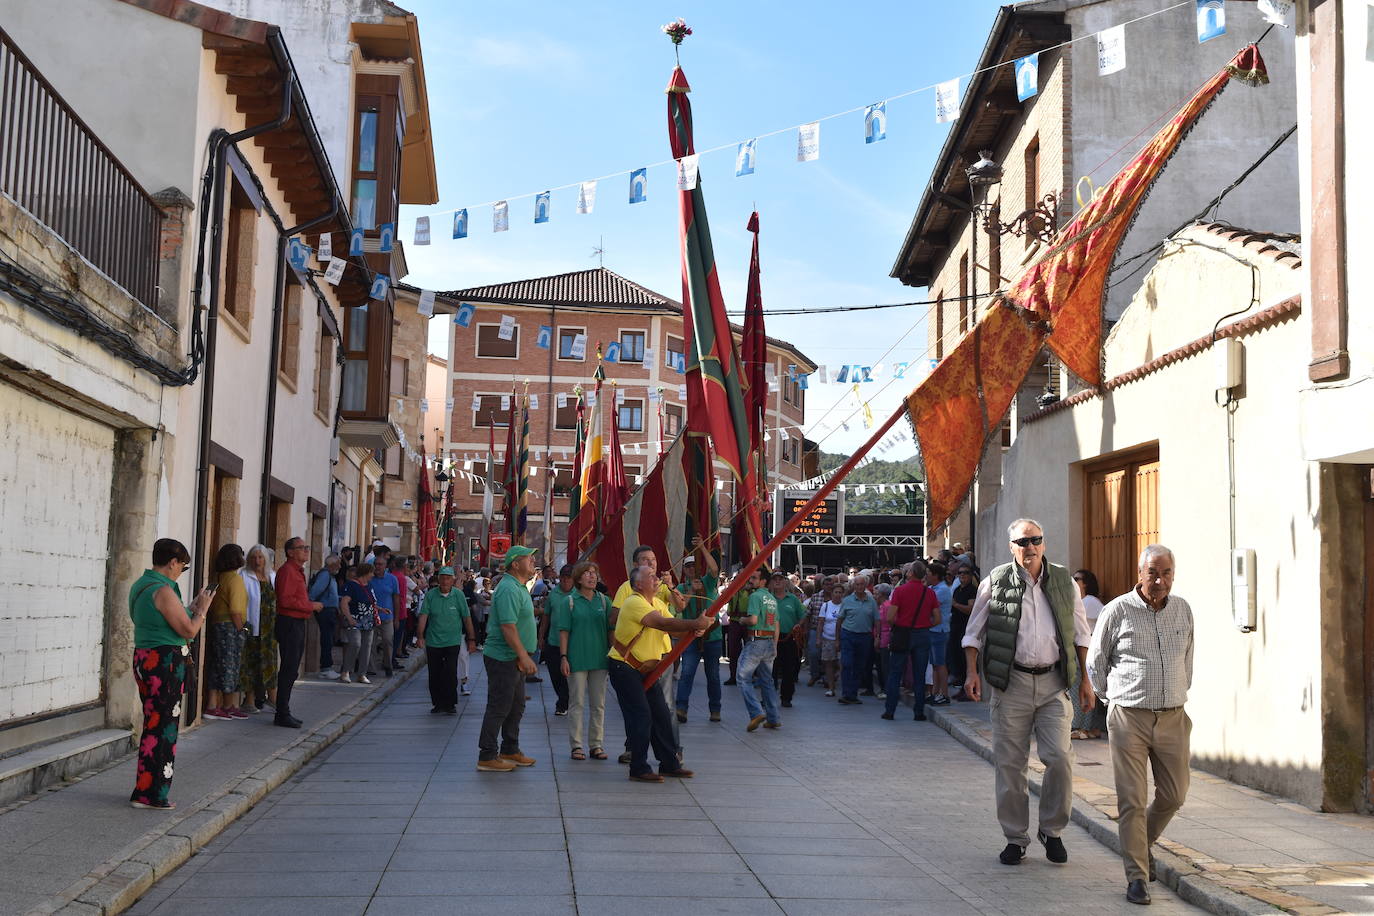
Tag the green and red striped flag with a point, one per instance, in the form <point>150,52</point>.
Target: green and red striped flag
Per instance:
<point>717,419</point>
<point>522,475</point>
<point>575,492</point>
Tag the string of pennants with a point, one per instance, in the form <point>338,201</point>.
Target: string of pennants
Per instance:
<point>1111,58</point>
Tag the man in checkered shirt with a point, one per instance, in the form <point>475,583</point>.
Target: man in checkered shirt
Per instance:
<point>1141,659</point>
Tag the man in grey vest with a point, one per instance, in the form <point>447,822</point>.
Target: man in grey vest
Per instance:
<point>1029,623</point>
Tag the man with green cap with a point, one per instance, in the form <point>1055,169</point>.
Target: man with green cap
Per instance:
<point>511,637</point>
<point>444,617</point>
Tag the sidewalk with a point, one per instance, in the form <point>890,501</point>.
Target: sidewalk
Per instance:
<point>1231,849</point>
<point>79,845</point>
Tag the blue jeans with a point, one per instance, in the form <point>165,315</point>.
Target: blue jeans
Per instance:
<point>919,654</point>
<point>756,670</point>
<point>688,673</point>
<point>856,653</point>
<point>328,622</point>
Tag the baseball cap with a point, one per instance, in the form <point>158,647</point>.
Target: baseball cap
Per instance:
<point>517,552</point>
<point>447,571</point>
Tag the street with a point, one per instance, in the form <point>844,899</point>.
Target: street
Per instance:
<point>837,812</point>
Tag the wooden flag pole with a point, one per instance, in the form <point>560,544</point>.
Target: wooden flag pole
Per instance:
<point>768,549</point>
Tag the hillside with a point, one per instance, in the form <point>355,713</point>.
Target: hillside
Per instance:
<point>872,502</point>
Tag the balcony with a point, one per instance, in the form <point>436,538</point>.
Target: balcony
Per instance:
<point>55,167</point>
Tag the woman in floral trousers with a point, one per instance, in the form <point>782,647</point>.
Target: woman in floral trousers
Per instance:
<point>162,628</point>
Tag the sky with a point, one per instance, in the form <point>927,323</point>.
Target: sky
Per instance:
<point>533,95</point>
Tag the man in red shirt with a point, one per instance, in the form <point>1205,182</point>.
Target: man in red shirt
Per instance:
<point>917,611</point>
<point>294,608</point>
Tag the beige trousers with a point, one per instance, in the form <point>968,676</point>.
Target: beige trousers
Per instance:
<point>1032,704</point>
<point>1161,738</point>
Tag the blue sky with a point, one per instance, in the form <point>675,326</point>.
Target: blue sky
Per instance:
<point>533,95</point>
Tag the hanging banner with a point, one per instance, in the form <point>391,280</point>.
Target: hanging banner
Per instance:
<point>334,273</point>
<point>297,253</point>
<point>500,216</point>
<point>545,338</point>
<point>639,180</point>
<point>476,403</point>
<point>947,101</point>
<point>809,142</point>
<point>507,329</point>
<point>380,284</point>
<point>460,224</point>
<point>648,361</point>
<point>579,346</point>
<point>386,237</point>
<point>1211,19</point>
<point>1279,12</point>
<point>612,354</point>
<point>534,402</point>
<point>875,122</point>
<point>744,158</point>
<point>563,402</point>
<point>464,315</point>
<point>542,201</point>
<point>1027,76</point>
<point>355,242</point>
<point>687,173</point>
<point>824,375</point>
<point>505,402</point>
<point>426,306</point>
<point>682,392</point>
<point>326,252</point>
<point>586,196</point>
<point>1111,50</point>
<point>422,230</point>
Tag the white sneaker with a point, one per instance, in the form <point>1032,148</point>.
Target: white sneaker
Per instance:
<point>463,691</point>
<point>364,680</point>
<point>329,674</point>
<point>345,679</point>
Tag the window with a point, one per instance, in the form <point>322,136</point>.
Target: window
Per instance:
<point>479,471</point>
<point>789,389</point>
<point>289,356</point>
<point>1031,160</point>
<point>940,325</point>
<point>789,449</point>
<point>566,338</point>
<point>241,255</point>
<point>379,128</point>
<point>489,413</point>
<point>565,417</point>
<point>630,415</point>
<point>672,419</point>
<point>963,293</point>
<point>632,474</point>
<point>355,361</point>
<point>400,377</point>
<point>391,461</point>
<point>324,374</point>
<point>562,478</point>
<point>1121,505</point>
<point>491,346</point>
<point>673,354</point>
<point>632,346</point>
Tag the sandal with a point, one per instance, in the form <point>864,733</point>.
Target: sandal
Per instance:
<point>1078,734</point>
<point>578,755</point>
<point>598,754</point>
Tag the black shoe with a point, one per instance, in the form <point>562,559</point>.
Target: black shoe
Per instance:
<point>1153,877</point>
<point>919,717</point>
<point>1136,893</point>
<point>867,693</point>
<point>888,716</point>
<point>1054,848</point>
<point>730,683</point>
<point>451,711</point>
<point>287,722</point>
<point>624,758</point>
<point>682,715</point>
<point>435,710</point>
<point>786,704</point>
<point>560,712</point>
<point>1012,855</point>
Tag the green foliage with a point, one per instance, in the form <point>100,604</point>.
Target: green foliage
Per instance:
<point>871,502</point>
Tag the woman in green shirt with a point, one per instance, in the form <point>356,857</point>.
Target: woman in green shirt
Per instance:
<point>162,627</point>
<point>583,624</point>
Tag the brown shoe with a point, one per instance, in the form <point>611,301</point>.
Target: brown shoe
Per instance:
<point>647,777</point>
<point>496,765</point>
<point>755,722</point>
<point>772,725</point>
<point>680,773</point>
<point>519,760</point>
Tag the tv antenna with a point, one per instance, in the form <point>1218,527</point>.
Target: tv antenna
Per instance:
<point>599,251</point>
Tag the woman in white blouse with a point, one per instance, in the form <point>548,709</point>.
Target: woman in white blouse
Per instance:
<point>1091,724</point>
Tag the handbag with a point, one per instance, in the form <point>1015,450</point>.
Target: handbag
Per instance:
<point>900,638</point>
<point>624,651</point>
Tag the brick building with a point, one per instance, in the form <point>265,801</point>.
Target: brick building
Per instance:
<point>601,308</point>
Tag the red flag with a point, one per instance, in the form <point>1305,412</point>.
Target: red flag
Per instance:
<point>428,533</point>
<point>754,353</point>
<point>655,515</point>
<point>508,470</point>
<point>591,489</point>
<point>617,491</point>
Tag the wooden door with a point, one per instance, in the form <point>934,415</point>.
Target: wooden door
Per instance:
<point>1122,518</point>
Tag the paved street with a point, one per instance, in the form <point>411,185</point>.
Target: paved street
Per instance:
<point>839,812</point>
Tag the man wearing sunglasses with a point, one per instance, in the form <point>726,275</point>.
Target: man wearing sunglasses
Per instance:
<point>1030,625</point>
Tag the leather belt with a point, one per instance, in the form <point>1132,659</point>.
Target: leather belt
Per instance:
<point>1044,669</point>
<point>761,634</point>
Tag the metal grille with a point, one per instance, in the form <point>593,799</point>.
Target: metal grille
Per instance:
<point>55,167</point>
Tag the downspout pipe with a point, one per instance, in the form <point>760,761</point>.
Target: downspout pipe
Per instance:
<point>220,143</point>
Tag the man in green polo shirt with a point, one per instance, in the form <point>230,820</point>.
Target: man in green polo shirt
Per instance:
<point>756,660</point>
<point>444,617</point>
<point>791,613</point>
<point>511,637</point>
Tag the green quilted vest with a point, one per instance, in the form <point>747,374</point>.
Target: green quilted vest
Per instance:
<point>1004,621</point>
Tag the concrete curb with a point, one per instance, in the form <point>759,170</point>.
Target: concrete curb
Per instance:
<point>118,882</point>
<point>1177,873</point>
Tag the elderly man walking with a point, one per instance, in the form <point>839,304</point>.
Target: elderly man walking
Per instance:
<point>510,640</point>
<point>858,617</point>
<point>1029,622</point>
<point>1142,661</point>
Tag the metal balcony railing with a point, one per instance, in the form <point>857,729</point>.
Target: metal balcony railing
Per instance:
<point>55,167</point>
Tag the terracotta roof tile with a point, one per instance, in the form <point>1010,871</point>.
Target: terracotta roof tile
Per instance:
<point>1278,246</point>
<point>597,286</point>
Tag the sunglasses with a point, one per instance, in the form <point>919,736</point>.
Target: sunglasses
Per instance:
<point>1029,542</point>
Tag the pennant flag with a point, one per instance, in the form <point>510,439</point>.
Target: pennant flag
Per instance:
<point>947,101</point>
<point>500,216</point>
<point>687,173</point>
<point>507,329</point>
<point>867,373</point>
<point>824,375</point>
<point>460,224</point>
<point>355,242</point>
<point>422,230</point>
<point>563,402</point>
<point>1027,76</point>
<point>579,346</point>
<point>843,375</point>
<point>875,122</point>
<point>334,272</point>
<point>541,206</point>
<point>380,284</point>
<point>545,338</point>
<point>754,356</point>
<point>426,306</point>
<point>1111,50</point>
<point>899,369</point>
<point>802,381</point>
<point>1279,12</point>
<point>744,158</point>
<point>463,317</point>
<point>682,392</point>
<point>586,196</point>
<point>575,491</point>
<point>809,142</point>
<point>476,403</point>
<point>648,361</point>
<point>639,180</point>
<point>534,402</point>
<point>297,253</point>
<point>386,237</point>
<point>1211,19</point>
<point>326,252</point>
<point>505,402</point>
<point>613,352</point>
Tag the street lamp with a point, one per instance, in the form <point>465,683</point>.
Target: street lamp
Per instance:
<point>982,175</point>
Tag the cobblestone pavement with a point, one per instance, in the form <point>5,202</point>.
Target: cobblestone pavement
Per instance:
<point>837,812</point>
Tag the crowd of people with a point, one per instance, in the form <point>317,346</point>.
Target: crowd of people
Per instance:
<point>933,632</point>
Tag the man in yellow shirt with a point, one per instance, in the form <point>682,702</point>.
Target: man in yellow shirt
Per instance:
<point>668,594</point>
<point>641,639</point>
